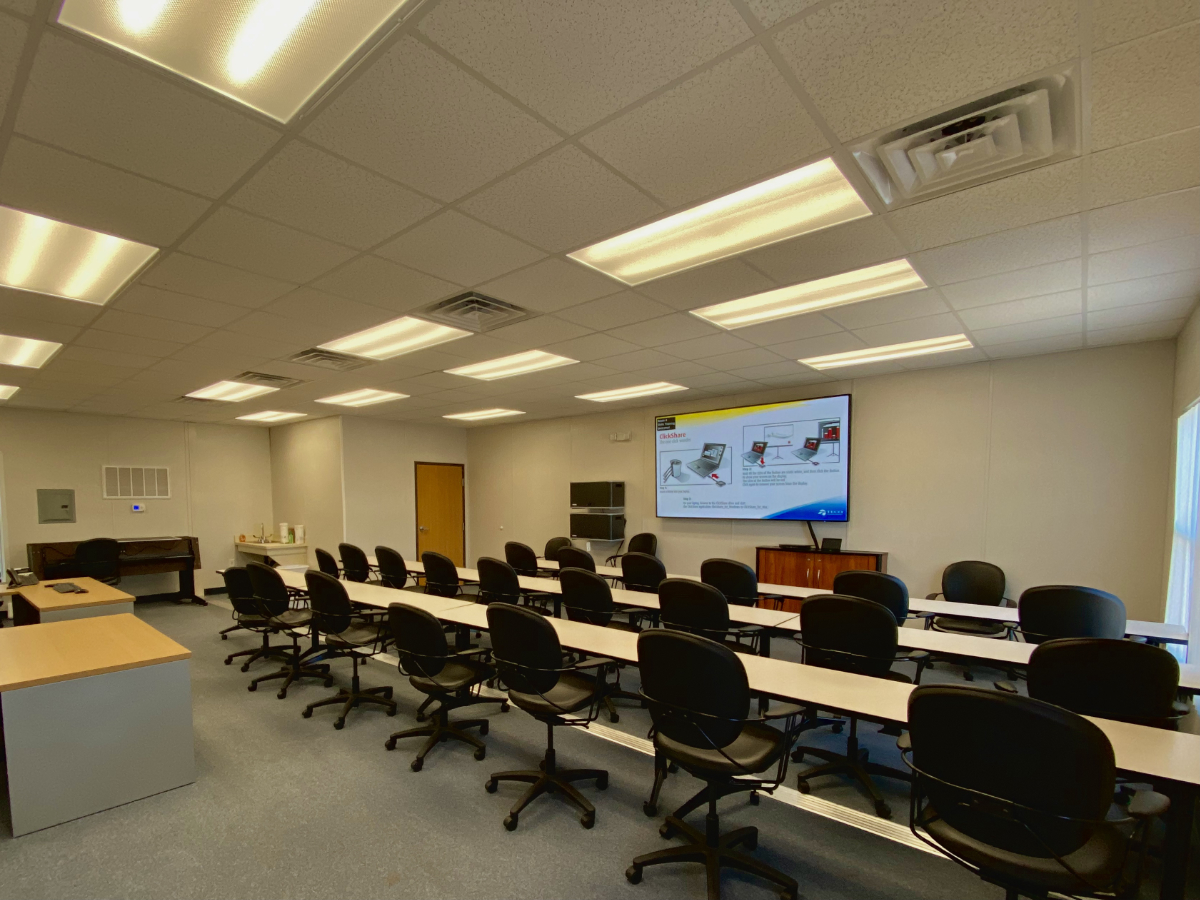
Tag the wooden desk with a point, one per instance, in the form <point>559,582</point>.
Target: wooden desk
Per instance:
<point>138,556</point>
<point>41,603</point>
<point>97,713</point>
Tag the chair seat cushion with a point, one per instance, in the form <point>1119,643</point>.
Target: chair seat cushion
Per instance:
<point>292,618</point>
<point>957,625</point>
<point>1099,860</point>
<point>454,676</point>
<point>248,620</point>
<point>357,635</point>
<point>572,693</point>
<point>756,749</point>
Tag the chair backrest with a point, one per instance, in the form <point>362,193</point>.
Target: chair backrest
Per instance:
<point>694,607</point>
<point>1015,748</point>
<point>849,634</point>
<point>887,590</point>
<point>586,596</point>
<point>736,580</point>
<point>99,559</point>
<point>354,563</point>
<point>684,673</point>
<point>521,557</point>
<point>441,575</point>
<point>645,542</point>
<point>1109,679</point>
<point>574,558</point>
<point>393,572</point>
<point>419,640</point>
<point>327,564</point>
<point>1061,611</point>
<point>642,572</point>
<point>270,593</point>
<point>973,581</point>
<point>240,590</point>
<point>497,581</point>
<point>525,648</point>
<point>554,545</point>
<point>331,609</point>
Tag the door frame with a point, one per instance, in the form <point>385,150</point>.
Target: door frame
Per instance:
<point>462,467</point>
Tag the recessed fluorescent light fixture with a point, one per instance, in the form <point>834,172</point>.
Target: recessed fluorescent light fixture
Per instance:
<point>271,55</point>
<point>890,352</point>
<point>365,397</point>
<point>403,335</point>
<point>507,366</point>
<point>231,391</point>
<point>639,390</point>
<point>26,352</point>
<point>480,414</point>
<point>7,390</point>
<point>271,416</point>
<point>48,257</point>
<point>884,280</point>
<point>807,199</point>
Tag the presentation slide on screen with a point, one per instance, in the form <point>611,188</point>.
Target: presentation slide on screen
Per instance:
<point>776,461</point>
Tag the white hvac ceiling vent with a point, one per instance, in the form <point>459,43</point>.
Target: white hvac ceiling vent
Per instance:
<point>329,359</point>
<point>1020,128</point>
<point>475,312</point>
<point>269,380</point>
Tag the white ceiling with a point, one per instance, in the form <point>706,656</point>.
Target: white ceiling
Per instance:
<point>482,141</point>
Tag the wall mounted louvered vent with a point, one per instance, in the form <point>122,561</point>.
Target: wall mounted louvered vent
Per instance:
<point>135,482</point>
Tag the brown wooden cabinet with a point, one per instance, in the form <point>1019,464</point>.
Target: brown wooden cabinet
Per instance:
<point>812,568</point>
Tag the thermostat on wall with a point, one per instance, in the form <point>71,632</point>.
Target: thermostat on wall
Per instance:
<point>139,507</point>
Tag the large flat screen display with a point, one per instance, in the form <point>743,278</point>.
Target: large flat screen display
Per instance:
<point>776,461</point>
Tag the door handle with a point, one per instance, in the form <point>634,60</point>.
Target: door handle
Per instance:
<point>422,528</point>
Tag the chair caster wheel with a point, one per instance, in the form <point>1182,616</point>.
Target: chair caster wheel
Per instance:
<point>614,717</point>
<point>672,767</point>
<point>802,786</point>
<point>389,744</point>
<point>420,717</point>
<point>504,706</point>
<point>754,798</point>
<point>480,752</point>
<point>339,724</point>
<point>388,693</point>
<point>666,831</point>
<point>490,785</point>
<point>416,765</point>
<point>751,844</point>
<point>510,823</point>
<point>224,637</point>
<point>588,820</point>
<point>229,662</point>
<point>837,727</point>
<point>252,687</point>
<point>602,782</point>
<point>328,682</point>
<point>797,755</point>
<point>634,874</point>
<point>282,695</point>
<point>650,809</point>
<point>483,731</point>
<point>391,711</point>
<point>246,667</point>
<point>883,810</point>
<point>307,712</point>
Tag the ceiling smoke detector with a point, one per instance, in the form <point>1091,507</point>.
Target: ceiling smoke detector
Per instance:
<point>329,359</point>
<point>474,312</point>
<point>1020,128</point>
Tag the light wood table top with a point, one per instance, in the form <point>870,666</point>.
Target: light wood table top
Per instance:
<point>381,597</point>
<point>78,648</point>
<point>44,599</point>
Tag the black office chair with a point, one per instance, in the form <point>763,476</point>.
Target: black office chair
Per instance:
<point>522,558</point>
<point>274,603</point>
<point>393,572</point>
<point>452,678</point>
<point>529,659</point>
<point>642,572</point>
<point>701,609</point>
<point>735,580</point>
<point>1061,611</point>
<point>327,564</point>
<point>699,699</point>
<point>851,634</point>
<point>99,558</point>
<point>645,542</point>
<point>247,614</point>
<point>347,633</point>
<point>574,558</point>
<point>1016,790</point>
<point>355,566</point>
<point>886,590</point>
<point>441,575</point>
<point>587,598</point>
<point>971,581</point>
<point>554,545</point>
<point>498,583</point>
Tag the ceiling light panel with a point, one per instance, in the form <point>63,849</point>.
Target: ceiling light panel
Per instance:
<point>629,393</point>
<point>7,390</point>
<point>231,391</point>
<point>271,55</point>
<point>480,415</point>
<point>364,397</point>
<point>399,336</point>
<point>48,257</point>
<point>271,416</point>
<point>507,366</point>
<point>896,277</point>
<point>807,199</point>
<point>27,353</point>
<point>890,352</point>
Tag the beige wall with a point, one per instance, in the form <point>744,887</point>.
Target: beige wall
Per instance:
<point>306,479</point>
<point>1054,467</point>
<point>220,481</point>
<point>1187,364</point>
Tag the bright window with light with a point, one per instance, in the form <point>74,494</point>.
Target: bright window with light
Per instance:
<point>1183,597</point>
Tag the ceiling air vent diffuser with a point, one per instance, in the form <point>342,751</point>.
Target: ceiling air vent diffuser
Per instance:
<point>328,359</point>
<point>275,381</point>
<point>995,136</point>
<point>474,312</point>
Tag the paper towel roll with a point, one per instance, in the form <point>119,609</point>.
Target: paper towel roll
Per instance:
<point>283,532</point>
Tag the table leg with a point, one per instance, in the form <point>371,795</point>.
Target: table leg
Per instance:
<point>187,586</point>
<point>462,637</point>
<point>1179,838</point>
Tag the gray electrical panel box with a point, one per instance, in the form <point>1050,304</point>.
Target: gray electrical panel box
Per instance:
<point>55,505</point>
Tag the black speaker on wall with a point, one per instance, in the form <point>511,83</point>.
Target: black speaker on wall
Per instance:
<point>598,526</point>
<point>592,494</point>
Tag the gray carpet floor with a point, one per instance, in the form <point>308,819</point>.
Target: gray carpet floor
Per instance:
<point>288,807</point>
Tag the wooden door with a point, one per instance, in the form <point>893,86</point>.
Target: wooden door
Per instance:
<point>441,514</point>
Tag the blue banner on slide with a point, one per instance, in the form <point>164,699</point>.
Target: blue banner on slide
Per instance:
<point>831,510</point>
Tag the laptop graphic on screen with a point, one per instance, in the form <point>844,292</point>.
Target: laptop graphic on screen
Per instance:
<point>709,459</point>
<point>755,454</point>
<point>805,453</point>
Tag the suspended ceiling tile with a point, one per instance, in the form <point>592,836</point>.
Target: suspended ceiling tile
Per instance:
<point>12,41</point>
<point>459,249</point>
<point>1133,334</point>
<point>259,245</point>
<point>1141,313</point>
<point>378,282</point>
<point>327,310</point>
<point>28,305</point>
<point>839,342</point>
<point>138,344</point>
<point>1144,221</point>
<point>854,245</point>
<point>122,322</point>
<point>1030,309</point>
<point>1035,281</point>
<point>910,330</point>
<point>665,330</point>
<point>152,301</point>
<point>551,285</point>
<point>1145,290</point>
<point>591,346</point>
<point>772,12</point>
<point>705,285</point>
<point>793,328</point>
<point>1035,346</point>
<point>537,332</point>
<point>1159,258</point>
<point>1115,21</point>
<point>1006,251</point>
<point>1026,331</point>
<point>624,308</point>
<point>214,281</point>
<point>913,305</point>
<point>701,348</point>
<point>1154,166</point>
